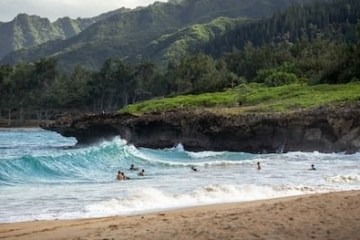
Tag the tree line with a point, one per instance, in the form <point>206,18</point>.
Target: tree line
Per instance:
<point>326,54</point>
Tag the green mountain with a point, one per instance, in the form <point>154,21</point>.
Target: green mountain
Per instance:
<point>133,35</point>
<point>188,40</point>
<point>26,31</point>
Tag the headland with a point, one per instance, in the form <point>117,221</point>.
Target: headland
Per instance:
<point>327,128</point>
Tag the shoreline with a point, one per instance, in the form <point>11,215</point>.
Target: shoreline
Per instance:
<point>334,215</point>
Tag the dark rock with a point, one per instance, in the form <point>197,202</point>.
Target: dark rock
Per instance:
<point>334,128</point>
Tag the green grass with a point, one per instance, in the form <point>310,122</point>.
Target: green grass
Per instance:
<point>255,98</point>
<point>182,102</point>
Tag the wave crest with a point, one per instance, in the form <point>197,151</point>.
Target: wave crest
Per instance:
<point>344,178</point>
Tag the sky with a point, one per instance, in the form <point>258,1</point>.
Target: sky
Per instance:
<point>53,9</point>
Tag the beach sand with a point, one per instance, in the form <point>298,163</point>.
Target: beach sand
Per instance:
<point>318,216</point>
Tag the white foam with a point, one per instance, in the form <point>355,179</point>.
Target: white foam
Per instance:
<point>151,199</point>
<point>343,178</point>
<point>205,154</point>
<point>179,147</point>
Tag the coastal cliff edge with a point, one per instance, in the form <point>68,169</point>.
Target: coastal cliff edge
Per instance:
<point>331,128</point>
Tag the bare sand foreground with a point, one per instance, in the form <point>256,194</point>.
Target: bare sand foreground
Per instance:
<point>319,216</point>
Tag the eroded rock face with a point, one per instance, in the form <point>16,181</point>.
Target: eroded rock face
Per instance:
<point>325,129</point>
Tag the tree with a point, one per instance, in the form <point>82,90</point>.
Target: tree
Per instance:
<point>111,87</point>
<point>7,90</point>
<point>145,82</point>
<point>198,73</point>
<point>44,75</point>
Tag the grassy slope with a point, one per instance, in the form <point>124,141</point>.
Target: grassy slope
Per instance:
<point>255,98</point>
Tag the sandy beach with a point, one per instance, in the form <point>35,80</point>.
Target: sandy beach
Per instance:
<point>318,216</point>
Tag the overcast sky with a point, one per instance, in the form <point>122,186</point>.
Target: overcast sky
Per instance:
<point>54,9</point>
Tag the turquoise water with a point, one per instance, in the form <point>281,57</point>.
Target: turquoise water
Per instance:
<point>45,176</point>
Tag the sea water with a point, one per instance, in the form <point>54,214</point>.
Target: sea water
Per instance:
<point>45,176</point>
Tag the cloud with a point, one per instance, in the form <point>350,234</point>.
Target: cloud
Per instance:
<point>54,9</point>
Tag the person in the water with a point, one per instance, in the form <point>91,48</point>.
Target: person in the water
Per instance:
<point>142,173</point>
<point>119,176</point>
<point>258,166</point>
<point>312,167</point>
<point>194,168</point>
<point>133,168</point>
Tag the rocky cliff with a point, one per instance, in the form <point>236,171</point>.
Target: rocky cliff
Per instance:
<point>334,128</point>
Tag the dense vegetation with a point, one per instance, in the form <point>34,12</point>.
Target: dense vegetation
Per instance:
<point>130,35</point>
<point>277,68</point>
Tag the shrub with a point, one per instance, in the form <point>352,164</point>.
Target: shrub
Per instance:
<point>280,78</point>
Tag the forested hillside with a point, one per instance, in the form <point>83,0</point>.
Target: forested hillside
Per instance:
<point>334,21</point>
<point>125,34</point>
<point>26,31</point>
<point>313,39</point>
<point>323,47</point>
<point>173,47</point>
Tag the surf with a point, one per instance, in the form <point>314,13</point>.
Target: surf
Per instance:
<point>46,176</point>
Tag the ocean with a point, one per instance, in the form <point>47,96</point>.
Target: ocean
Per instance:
<point>44,176</point>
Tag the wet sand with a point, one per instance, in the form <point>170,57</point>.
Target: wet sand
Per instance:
<point>319,216</point>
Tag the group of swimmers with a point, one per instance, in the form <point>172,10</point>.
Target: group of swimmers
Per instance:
<point>121,175</point>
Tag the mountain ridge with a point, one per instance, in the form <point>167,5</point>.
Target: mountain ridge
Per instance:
<point>27,31</point>
<point>124,35</point>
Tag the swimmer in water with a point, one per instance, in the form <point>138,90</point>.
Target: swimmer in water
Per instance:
<point>194,169</point>
<point>312,167</point>
<point>258,166</point>
<point>124,177</point>
<point>133,168</point>
<point>142,173</point>
<point>119,176</point>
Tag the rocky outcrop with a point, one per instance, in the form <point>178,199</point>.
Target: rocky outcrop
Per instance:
<point>334,128</point>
